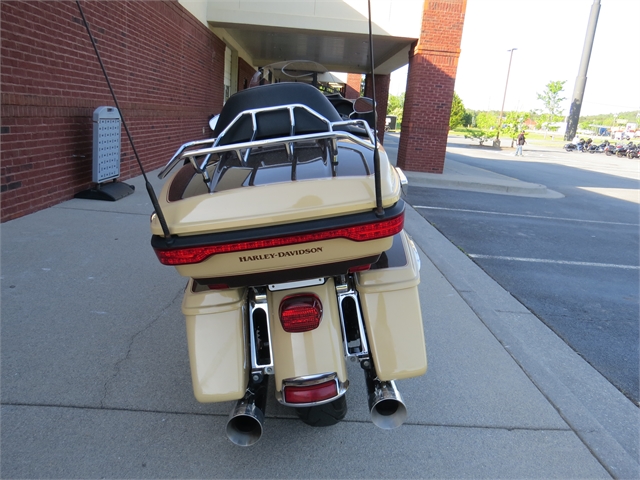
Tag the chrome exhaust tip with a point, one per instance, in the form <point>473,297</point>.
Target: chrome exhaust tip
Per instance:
<point>388,411</point>
<point>245,424</point>
<point>246,420</point>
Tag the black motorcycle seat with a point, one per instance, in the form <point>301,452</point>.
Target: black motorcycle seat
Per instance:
<point>276,123</point>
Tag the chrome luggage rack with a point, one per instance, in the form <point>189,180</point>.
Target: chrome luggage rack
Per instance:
<point>191,151</point>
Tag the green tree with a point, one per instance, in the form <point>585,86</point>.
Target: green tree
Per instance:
<point>486,120</point>
<point>468,119</point>
<point>483,126</point>
<point>458,112</point>
<point>513,124</point>
<point>551,99</point>
<point>395,106</point>
<point>478,134</point>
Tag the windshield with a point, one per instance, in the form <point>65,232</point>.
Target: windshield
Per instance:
<point>304,71</point>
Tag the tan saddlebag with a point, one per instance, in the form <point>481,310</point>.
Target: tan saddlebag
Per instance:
<point>391,309</point>
<point>216,340</point>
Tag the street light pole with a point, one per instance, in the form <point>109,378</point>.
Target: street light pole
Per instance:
<point>581,80</point>
<point>505,96</point>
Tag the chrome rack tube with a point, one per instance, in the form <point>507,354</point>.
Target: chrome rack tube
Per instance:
<point>178,156</point>
<point>277,141</point>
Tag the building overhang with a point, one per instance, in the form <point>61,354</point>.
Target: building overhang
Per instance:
<point>334,34</point>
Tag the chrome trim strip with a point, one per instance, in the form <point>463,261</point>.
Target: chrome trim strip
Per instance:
<point>308,380</point>
<point>344,290</point>
<point>275,287</point>
<point>258,301</point>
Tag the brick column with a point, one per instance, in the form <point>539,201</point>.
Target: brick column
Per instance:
<point>433,63</point>
<point>382,99</point>
<point>352,88</point>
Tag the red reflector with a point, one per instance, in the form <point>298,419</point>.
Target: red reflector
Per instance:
<point>218,286</point>
<point>360,268</point>
<point>358,233</point>
<point>311,393</point>
<point>300,313</point>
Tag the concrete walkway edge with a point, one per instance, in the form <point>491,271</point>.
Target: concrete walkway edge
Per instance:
<point>604,419</point>
<point>478,183</point>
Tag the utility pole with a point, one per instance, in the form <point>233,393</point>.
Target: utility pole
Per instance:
<point>581,80</point>
<point>504,97</point>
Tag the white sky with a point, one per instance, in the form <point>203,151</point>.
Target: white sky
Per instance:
<point>549,36</point>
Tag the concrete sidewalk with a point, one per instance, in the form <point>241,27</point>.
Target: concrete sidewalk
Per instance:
<point>96,382</point>
<point>460,176</point>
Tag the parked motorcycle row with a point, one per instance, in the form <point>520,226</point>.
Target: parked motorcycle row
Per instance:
<point>629,150</point>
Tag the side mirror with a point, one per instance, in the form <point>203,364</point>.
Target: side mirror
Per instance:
<point>213,122</point>
<point>363,105</point>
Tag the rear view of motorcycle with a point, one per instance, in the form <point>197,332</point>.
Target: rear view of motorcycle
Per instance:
<point>289,225</point>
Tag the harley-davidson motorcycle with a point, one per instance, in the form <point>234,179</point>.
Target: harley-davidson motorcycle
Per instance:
<point>288,223</point>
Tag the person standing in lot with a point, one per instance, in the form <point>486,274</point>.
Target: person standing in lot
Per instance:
<point>520,142</point>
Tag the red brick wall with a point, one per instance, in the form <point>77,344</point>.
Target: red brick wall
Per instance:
<point>382,99</point>
<point>165,67</point>
<point>352,88</point>
<point>433,63</point>
<point>245,72</point>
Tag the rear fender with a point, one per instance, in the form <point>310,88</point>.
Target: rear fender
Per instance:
<point>319,353</point>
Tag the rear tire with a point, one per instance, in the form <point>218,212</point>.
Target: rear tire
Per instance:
<point>324,415</point>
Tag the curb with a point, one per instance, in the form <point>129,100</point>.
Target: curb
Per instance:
<point>602,417</point>
<point>474,183</point>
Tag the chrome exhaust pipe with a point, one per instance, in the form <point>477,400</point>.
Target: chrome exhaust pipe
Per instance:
<point>246,420</point>
<point>388,411</point>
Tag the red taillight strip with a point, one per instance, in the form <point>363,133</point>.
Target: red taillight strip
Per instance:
<point>310,393</point>
<point>358,233</point>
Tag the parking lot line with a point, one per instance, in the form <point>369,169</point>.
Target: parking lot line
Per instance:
<point>484,212</point>
<point>557,262</point>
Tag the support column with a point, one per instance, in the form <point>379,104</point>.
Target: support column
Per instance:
<point>352,90</point>
<point>433,62</point>
<point>382,99</point>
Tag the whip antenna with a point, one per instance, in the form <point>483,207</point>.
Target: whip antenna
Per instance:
<point>150,191</point>
<point>376,154</point>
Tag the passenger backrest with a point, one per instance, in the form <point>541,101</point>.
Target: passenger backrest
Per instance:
<point>274,124</point>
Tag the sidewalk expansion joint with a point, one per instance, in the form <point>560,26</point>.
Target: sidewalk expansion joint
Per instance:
<point>111,409</point>
<point>96,210</point>
<point>283,417</point>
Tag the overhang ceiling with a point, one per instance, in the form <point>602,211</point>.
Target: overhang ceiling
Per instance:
<point>337,51</point>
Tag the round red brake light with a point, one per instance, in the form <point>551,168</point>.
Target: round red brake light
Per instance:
<point>300,313</point>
